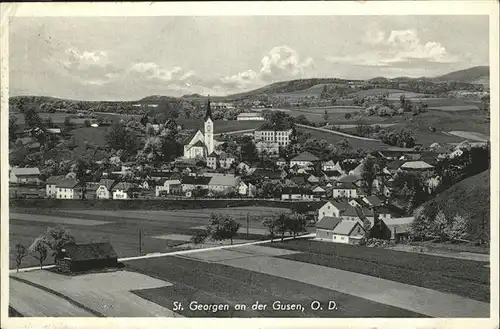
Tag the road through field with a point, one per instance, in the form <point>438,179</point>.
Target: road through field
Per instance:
<point>31,301</point>
<point>339,133</point>
<point>417,299</point>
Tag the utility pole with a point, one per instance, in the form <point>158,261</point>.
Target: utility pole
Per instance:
<point>247,225</point>
<point>140,241</point>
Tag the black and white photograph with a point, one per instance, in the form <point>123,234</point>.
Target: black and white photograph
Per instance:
<point>209,164</point>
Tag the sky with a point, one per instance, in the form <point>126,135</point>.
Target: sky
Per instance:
<point>127,58</point>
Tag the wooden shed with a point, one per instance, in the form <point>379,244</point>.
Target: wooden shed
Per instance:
<point>85,257</point>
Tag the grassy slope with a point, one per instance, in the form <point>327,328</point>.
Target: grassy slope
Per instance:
<point>470,198</point>
<point>468,75</point>
<point>461,277</point>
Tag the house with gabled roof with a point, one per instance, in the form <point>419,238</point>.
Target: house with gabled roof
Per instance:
<point>296,193</point>
<point>67,188</point>
<point>223,183</point>
<point>190,183</point>
<point>372,201</point>
<point>325,227</point>
<point>304,159</point>
<point>169,185</point>
<point>103,190</point>
<point>332,208</point>
<point>24,176</point>
<point>345,190</point>
<point>51,185</point>
<point>417,166</point>
<point>343,231</point>
<point>123,190</point>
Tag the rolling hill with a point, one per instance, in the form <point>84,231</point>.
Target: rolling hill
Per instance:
<point>476,74</point>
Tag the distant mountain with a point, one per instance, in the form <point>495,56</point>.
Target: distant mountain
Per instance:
<point>476,74</point>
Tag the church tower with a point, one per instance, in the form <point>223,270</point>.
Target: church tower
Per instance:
<point>209,129</point>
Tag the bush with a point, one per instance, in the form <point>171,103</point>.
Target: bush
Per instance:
<point>199,237</point>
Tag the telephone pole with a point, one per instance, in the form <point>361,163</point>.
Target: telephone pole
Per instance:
<point>140,241</point>
<point>247,226</point>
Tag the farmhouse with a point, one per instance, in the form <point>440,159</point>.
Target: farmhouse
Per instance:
<point>24,176</point>
<point>250,116</point>
<point>123,191</point>
<point>372,201</point>
<point>190,183</point>
<point>304,159</point>
<point>340,230</point>
<point>416,166</point>
<point>103,191</point>
<point>246,188</point>
<point>345,190</point>
<point>332,208</point>
<point>171,185</point>
<point>296,193</point>
<point>267,147</point>
<point>67,189</point>
<point>51,186</point>
<point>223,183</point>
<point>84,257</point>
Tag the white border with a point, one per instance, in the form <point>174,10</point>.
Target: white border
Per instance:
<point>245,9</point>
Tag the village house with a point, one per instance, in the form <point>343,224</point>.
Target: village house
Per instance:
<point>243,167</point>
<point>226,160</point>
<point>103,190</point>
<point>190,183</point>
<point>51,186</point>
<point>318,192</point>
<point>418,166</point>
<point>313,179</point>
<point>254,116</point>
<point>304,159</point>
<point>332,208</point>
<point>24,176</point>
<point>372,201</point>
<point>281,162</point>
<point>246,188</point>
<point>343,231</point>
<point>266,147</point>
<point>296,193</point>
<point>345,190</point>
<point>223,184</point>
<point>170,185</point>
<point>123,191</point>
<point>212,160</point>
<point>67,189</point>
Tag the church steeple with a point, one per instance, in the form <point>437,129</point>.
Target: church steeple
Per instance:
<point>208,114</point>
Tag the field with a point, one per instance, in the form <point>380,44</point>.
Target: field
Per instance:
<point>333,139</point>
<point>57,118</point>
<point>121,228</point>
<point>466,278</point>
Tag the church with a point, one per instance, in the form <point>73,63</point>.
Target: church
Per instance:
<point>202,144</point>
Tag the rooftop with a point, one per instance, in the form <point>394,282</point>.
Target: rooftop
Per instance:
<point>227,180</point>
<point>305,156</point>
<point>249,115</point>
<point>345,227</point>
<point>328,223</point>
<point>195,180</point>
<point>416,165</point>
<point>25,171</point>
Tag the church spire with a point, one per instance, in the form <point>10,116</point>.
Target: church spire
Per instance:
<point>208,115</point>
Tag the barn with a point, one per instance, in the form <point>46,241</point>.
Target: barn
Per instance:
<point>84,257</point>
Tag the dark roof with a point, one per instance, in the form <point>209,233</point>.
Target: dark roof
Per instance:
<point>355,212</point>
<point>340,205</point>
<point>160,174</point>
<point>267,173</point>
<point>193,180</point>
<point>299,180</point>
<point>213,155</point>
<point>296,190</point>
<point>348,179</point>
<point>332,173</point>
<point>395,164</point>
<point>208,114</point>
<point>53,180</point>
<point>125,186</point>
<point>108,183</point>
<point>328,223</point>
<point>67,183</point>
<point>374,200</point>
<point>305,156</point>
<point>90,251</point>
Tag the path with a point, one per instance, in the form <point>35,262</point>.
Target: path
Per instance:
<point>338,133</point>
<point>31,301</point>
<point>417,299</point>
<point>441,253</point>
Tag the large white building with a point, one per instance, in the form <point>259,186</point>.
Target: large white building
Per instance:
<point>281,137</point>
<point>250,116</point>
<point>202,144</point>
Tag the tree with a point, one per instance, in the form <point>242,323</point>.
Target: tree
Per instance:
<point>421,224</point>
<point>83,174</point>
<point>222,227</point>
<point>31,118</point>
<point>12,128</point>
<point>57,238</point>
<point>248,150</point>
<point>348,116</point>
<point>296,223</point>
<point>39,249</point>
<point>270,223</point>
<point>325,116</point>
<point>68,125</point>
<point>369,172</point>
<point>87,123</point>
<point>439,226</point>
<point>458,228</point>
<point>199,237</point>
<point>120,137</point>
<point>19,253</point>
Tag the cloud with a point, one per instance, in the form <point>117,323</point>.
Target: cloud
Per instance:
<point>280,63</point>
<point>399,47</point>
